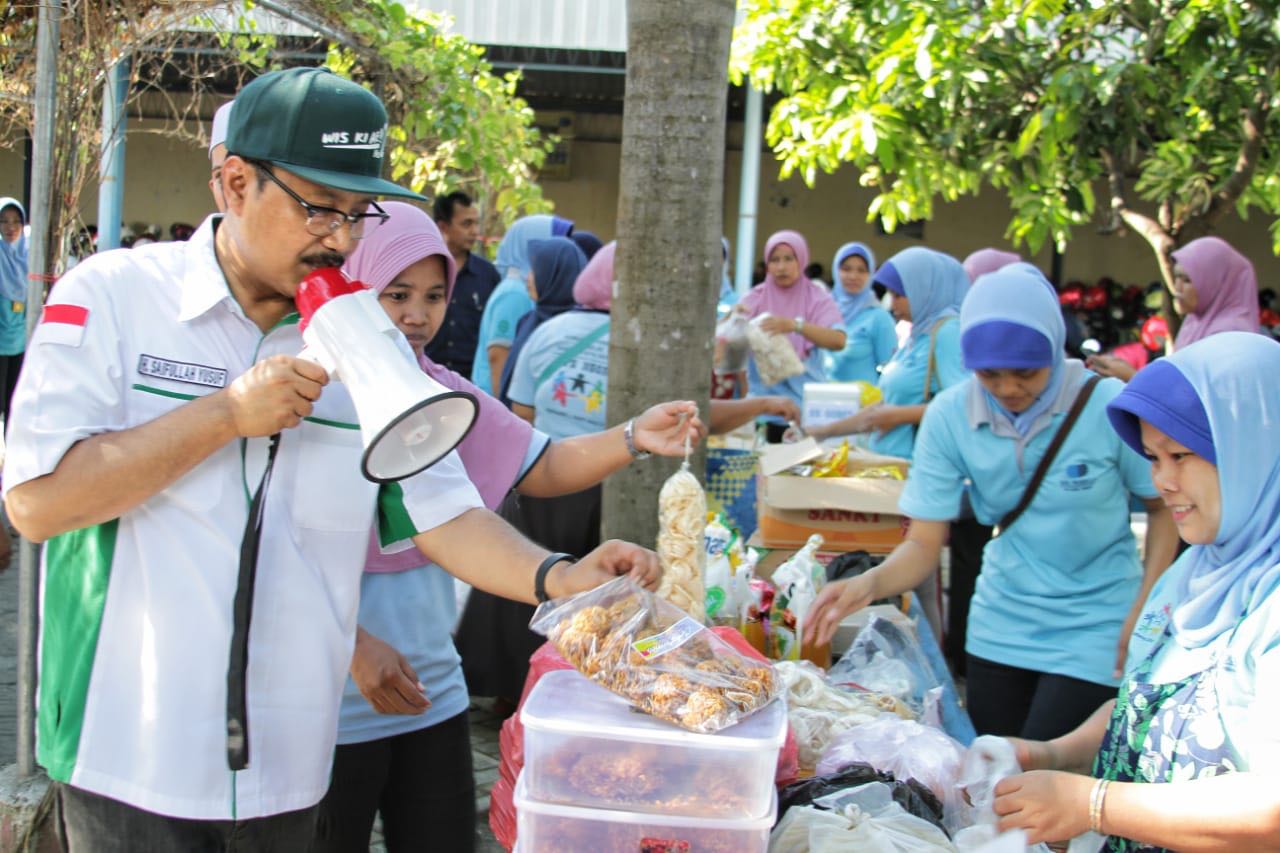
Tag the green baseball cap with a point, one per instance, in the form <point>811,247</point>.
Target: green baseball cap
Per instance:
<point>317,125</point>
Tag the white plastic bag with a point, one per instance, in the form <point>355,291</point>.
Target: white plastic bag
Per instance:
<point>886,658</point>
<point>877,828</point>
<point>987,760</point>
<point>776,359</point>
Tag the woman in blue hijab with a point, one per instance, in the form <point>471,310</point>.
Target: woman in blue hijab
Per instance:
<point>510,300</point>
<point>927,288</point>
<point>869,336</point>
<point>554,265</point>
<point>1183,758</point>
<point>13,296</point>
<point>1062,584</point>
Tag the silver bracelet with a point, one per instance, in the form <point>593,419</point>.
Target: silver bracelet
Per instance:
<point>629,436</point>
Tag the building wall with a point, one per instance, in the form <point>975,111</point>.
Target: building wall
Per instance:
<point>165,182</point>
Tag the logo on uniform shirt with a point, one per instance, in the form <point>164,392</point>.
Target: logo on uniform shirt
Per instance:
<point>1077,478</point>
<point>182,371</point>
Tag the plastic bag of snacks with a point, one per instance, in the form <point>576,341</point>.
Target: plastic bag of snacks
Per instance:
<point>725,559</point>
<point>682,519</point>
<point>656,656</point>
<point>776,359</point>
<point>797,582</point>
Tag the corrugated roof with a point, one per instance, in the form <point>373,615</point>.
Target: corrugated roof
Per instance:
<point>569,24</point>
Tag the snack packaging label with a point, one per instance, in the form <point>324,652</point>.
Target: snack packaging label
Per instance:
<point>652,648</point>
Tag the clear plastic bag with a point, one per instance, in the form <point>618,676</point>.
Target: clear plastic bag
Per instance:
<point>732,347</point>
<point>889,830</point>
<point>776,359</point>
<point>885,658</point>
<point>904,748</point>
<point>682,521</point>
<point>797,583</point>
<point>987,760</point>
<point>656,656</point>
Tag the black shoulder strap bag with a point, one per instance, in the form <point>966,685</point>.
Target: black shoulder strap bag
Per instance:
<point>1082,398</point>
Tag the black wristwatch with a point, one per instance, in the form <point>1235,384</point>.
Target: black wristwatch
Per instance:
<point>540,576</point>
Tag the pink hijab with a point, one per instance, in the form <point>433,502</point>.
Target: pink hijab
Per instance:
<point>594,287</point>
<point>803,299</point>
<point>984,261</point>
<point>495,449</point>
<point>1226,290</point>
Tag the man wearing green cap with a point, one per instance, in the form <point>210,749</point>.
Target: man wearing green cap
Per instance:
<point>165,438</point>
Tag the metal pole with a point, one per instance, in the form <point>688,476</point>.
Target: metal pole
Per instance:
<point>39,265</point>
<point>749,189</point>
<point>115,92</point>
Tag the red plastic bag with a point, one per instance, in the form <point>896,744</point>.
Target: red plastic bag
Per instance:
<point>502,812</point>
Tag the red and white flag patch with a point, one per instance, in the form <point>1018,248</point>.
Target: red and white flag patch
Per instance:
<point>63,324</point>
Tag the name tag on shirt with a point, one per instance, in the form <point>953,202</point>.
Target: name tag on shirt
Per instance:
<point>181,371</point>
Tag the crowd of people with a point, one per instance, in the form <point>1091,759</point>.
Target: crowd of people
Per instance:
<point>247,645</point>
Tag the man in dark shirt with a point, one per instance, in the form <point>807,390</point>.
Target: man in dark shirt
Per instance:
<point>454,346</point>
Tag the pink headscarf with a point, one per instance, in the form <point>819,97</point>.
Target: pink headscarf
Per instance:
<point>984,261</point>
<point>594,287</point>
<point>494,450</point>
<point>802,299</point>
<point>1226,290</point>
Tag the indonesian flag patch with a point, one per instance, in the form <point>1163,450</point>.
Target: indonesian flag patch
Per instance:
<point>63,324</point>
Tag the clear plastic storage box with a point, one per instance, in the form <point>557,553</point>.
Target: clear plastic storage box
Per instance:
<point>584,746</point>
<point>552,828</point>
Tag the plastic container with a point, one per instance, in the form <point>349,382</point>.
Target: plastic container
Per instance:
<point>584,746</point>
<point>551,828</point>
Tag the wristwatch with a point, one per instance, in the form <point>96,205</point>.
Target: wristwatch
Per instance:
<point>629,436</point>
<point>799,325</point>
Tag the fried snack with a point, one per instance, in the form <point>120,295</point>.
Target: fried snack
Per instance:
<point>656,657</point>
<point>682,514</point>
<point>776,358</point>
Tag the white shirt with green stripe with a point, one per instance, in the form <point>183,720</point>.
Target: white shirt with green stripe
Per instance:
<point>137,612</point>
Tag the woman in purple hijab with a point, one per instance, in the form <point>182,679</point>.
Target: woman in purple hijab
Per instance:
<point>404,749</point>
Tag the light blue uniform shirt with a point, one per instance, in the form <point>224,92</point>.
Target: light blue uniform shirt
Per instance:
<point>564,382</point>
<point>902,382</point>
<point>414,611</point>
<point>1056,586</point>
<point>870,343</point>
<point>507,304</point>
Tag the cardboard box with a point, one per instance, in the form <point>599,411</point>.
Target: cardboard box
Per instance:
<point>851,513</point>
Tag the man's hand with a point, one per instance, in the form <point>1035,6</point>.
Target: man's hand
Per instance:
<point>385,678</point>
<point>661,429</point>
<point>274,394</point>
<point>836,601</point>
<point>1049,804</point>
<point>780,407</point>
<point>611,559</point>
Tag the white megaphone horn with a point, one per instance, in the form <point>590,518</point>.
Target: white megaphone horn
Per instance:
<point>408,421</point>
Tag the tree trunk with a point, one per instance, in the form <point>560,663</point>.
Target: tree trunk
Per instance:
<point>669,228</point>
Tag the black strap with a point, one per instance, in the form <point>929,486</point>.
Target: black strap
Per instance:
<point>1082,398</point>
<point>242,611</point>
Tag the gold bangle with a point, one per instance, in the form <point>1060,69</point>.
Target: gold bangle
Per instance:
<point>1097,798</point>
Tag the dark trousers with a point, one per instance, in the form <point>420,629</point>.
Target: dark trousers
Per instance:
<point>10,367</point>
<point>1012,702</point>
<point>968,538</point>
<point>420,782</point>
<point>96,824</point>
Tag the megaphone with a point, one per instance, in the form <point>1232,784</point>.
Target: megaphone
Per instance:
<point>408,421</point>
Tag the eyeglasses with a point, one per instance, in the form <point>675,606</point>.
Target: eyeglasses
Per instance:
<point>324,221</point>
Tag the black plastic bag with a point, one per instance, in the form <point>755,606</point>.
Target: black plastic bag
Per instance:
<point>911,795</point>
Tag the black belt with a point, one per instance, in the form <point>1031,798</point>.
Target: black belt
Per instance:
<point>242,612</point>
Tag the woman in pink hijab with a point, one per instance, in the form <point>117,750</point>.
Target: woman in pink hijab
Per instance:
<point>1214,289</point>
<point>404,748</point>
<point>803,311</point>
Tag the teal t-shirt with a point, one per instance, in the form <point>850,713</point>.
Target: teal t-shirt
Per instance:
<point>507,304</point>
<point>1056,586</point>
<point>902,382</point>
<point>870,342</point>
<point>563,376</point>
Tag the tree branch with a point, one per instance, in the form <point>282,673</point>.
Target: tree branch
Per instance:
<point>1251,131</point>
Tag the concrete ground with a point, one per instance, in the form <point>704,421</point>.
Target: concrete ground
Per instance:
<point>484,724</point>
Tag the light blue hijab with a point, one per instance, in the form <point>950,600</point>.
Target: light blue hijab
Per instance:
<point>1233,375</point>
<point>853,303</point>
<point>13,259</point>
<point>1011,320</point>
<point>513,251</point>
<point>934,282</point>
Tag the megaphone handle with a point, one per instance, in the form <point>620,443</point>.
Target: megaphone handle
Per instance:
<point>313,351</point>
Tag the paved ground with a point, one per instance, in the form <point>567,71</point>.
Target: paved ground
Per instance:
<point>484,725</point>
